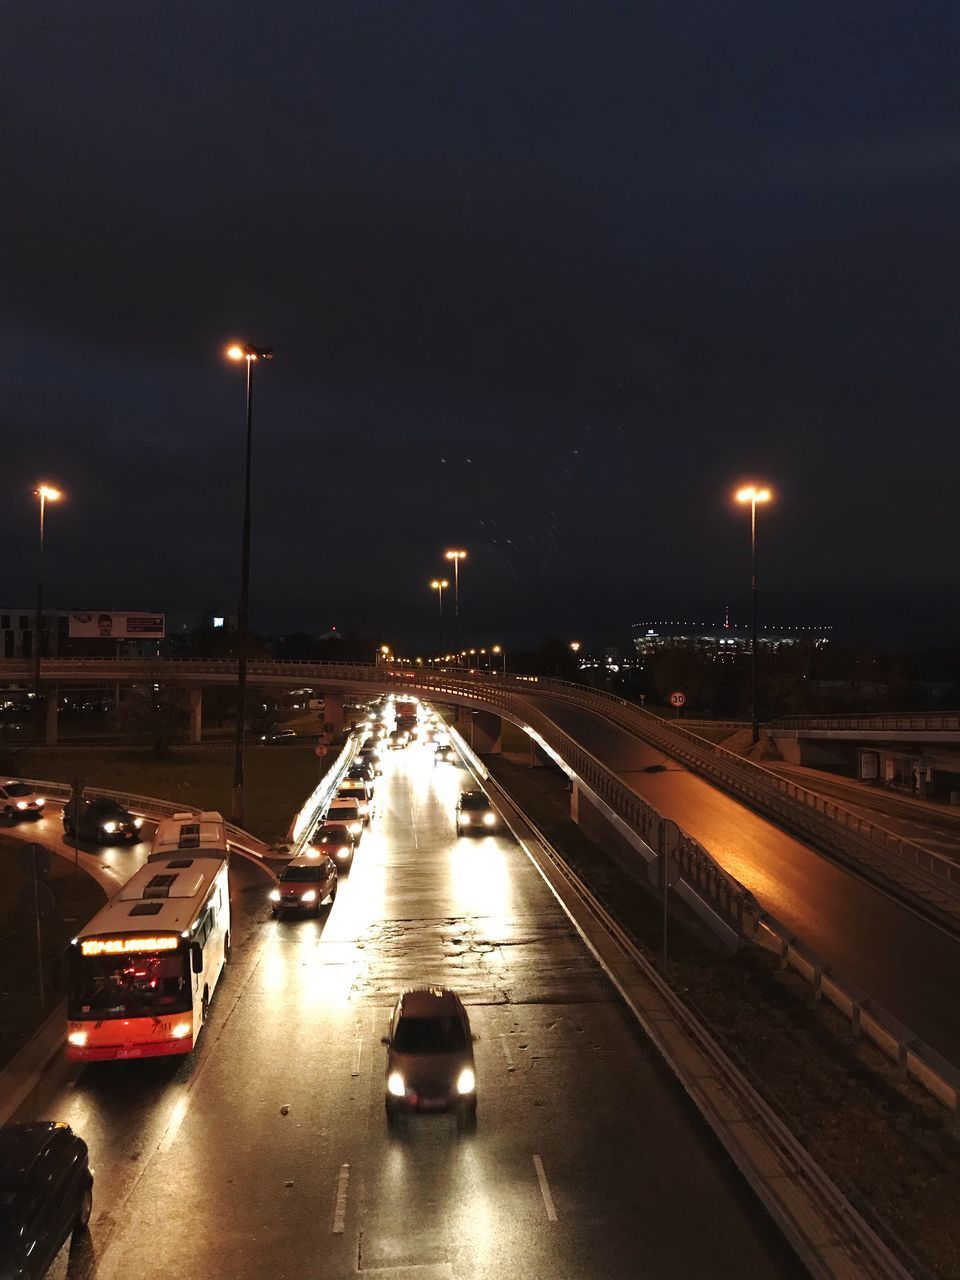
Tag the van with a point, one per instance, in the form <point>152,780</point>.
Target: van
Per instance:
<point>346,810</point>
<point>361,790</point>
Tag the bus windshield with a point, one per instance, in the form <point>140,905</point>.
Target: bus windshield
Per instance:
<point>135,986</point>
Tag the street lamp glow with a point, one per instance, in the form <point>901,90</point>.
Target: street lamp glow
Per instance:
<point>750,493</point>
<point>439,584</point>
<point>235,353</point>
<point>455,555</point>
<point>47,493</point>
<point>575,646</point>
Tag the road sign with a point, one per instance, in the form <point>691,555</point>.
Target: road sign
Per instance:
<point>656,868</point>
<point>677,699</point>
<point>320,749</point>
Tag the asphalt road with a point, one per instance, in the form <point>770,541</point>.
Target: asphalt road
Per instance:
<point>267,1155</point>
<point>868,938</point>
<point>110,865</point>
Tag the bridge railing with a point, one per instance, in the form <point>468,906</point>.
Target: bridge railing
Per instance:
<point>882,722</point>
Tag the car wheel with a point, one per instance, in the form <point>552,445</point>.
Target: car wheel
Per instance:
<point>8,812</point>
<point>82,1220</point>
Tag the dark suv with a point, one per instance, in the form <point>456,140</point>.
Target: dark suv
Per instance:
<point>430,1063</point>
<point>103,821</point>
<point>46,1195</point>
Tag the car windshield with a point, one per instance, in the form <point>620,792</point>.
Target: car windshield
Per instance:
<point>429,1035</point>
<point>303,873</point>
<point>129,987</point>
<point>474,800</point>
<point>18,789</point>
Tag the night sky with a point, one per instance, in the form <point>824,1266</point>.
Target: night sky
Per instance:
<point>545,281</point>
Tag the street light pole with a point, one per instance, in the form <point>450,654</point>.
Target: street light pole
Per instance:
<point>46,493</point>
<point>456,557</point>
<point>438,585</point>
<point>753,495</point>
<point>251,355</point>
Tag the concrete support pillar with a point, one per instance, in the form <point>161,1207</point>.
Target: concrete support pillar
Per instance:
<point>333,712</point>
<point>196,716</point>
<point>50,736</point>
<point>487,737</point>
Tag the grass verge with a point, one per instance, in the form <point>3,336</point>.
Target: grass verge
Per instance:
<point>75,898</point>
<point>886,1143</point>
<point>277,779</point>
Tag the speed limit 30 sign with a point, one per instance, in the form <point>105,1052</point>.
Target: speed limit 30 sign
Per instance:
<point>677,699</point>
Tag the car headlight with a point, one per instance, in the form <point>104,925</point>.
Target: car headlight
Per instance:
<point>395,1085</point>
<point>77,1037</point>
<point>343,851</point>
<point>110,827</point>
<point>21,804</point>
<point>181,1030</point>
<point>40,802</point>
<point>138,822</point>
<point>274,895</point>
<point>355,828</point>
<point>489,819</point>
<point>464,817</point>
<point>466,1081</point>
<point>309,896</point>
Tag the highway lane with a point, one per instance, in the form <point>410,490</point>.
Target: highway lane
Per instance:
<point>267,1154</point>
<point>906,964</point>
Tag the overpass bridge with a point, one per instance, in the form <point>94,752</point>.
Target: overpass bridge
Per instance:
<point>877,910</point>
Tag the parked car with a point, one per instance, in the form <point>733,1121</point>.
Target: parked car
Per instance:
<point>336,840</point>
<point>430,1064</point>
<point>475,814</point>
<point>18,800</point>
<point>305,884</point>
<point>280,737</point>
<point>103,821</point>
<point>46,1195</point>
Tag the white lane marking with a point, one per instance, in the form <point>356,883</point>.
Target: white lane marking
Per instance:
<point>175,1121</point>
<point>340,1210</point>
<point>545,1189</point>
<point>356,1058</point>
<point>511,1065</point>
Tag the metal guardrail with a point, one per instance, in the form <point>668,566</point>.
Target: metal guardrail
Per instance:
<point>879,722</point>
<point>775,1163</point>
<point>320,798</point>
<point>927,877</point>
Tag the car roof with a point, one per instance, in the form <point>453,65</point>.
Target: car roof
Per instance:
<point>430,1002</point>
<point>21,1144</point>
<point>473,795</point>
<point>306,861</point>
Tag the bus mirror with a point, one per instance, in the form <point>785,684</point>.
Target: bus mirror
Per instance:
<point>196,957</point>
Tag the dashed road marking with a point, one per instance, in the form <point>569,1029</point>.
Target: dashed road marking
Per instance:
<point>340,1208</point>
<point>545,1189</point>
<point>356,1057</point>
<point>511,1065</point>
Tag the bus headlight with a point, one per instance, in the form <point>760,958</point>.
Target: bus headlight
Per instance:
<point>489,819</point>
<point>274,895</point>
<point>181,1030</point>
<point>309,896</point>
<point>466,1081</point>
<point>79,1038</point>
<point>110,827</point>
<point>395,1085</point>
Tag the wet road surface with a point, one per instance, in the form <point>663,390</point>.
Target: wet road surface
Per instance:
<point>898,958</point>
<point>267,1154</point>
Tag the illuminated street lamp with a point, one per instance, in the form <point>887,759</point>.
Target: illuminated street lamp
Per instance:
<point>249,355</point>
<point>753,495</point>
<point>438,585</point>
<point>46,493</point>
<point>498,648</point>
<point>456,557</point>
<point>383,654</point>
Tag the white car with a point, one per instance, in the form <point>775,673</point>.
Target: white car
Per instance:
<point>17,800</point>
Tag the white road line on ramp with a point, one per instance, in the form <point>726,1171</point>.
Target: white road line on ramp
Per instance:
<point>356,1057</point>
<point>340,1208</point>
<point>545,1189</point>
<point>511,1065</point>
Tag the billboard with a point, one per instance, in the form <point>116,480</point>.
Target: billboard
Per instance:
<point>117,626</point>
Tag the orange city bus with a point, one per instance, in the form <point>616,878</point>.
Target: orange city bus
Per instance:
<point>143,971</point>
